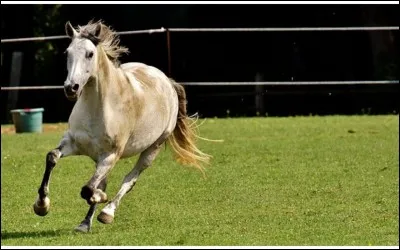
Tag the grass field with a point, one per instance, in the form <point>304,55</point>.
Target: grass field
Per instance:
<point>274,181</point>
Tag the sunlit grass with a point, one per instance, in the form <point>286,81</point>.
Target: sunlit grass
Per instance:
<point>273,181</point>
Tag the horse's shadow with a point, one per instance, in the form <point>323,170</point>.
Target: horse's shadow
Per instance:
<point>36,234</point>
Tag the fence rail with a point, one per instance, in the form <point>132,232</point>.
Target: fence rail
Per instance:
<point>296,83</point>
<point>284,29</point>
<point>44,38</point>
<point>162,30</point>
<point>283,83</point>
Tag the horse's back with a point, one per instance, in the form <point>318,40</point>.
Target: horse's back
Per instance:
<point>146,74</point>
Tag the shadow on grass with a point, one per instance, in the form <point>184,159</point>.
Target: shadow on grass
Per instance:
<point>36,234</point>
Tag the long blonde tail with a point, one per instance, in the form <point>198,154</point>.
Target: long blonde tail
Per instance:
<point>183,139</point>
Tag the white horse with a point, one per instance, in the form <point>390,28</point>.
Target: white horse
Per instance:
<point>120,111</point>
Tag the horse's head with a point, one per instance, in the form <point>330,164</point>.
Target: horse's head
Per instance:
<point>81,59</point>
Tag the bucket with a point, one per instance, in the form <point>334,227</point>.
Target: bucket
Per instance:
<point>28,120</point>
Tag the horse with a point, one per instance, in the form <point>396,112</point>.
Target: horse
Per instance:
<point>120,110</point>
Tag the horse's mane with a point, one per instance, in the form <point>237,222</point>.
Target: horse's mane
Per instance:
<point>107,38</point>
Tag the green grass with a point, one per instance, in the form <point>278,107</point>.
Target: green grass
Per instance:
<point>274,181</point>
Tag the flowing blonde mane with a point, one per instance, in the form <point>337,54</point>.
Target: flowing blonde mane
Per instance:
<point>107,39</point>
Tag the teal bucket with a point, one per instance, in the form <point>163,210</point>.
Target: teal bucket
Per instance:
<point>28,120</point>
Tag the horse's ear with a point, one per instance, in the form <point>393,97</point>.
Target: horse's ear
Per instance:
<point>97,32</point>
<point>70,31</point>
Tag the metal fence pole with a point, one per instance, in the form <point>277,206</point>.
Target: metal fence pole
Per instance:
<point>169,53</point>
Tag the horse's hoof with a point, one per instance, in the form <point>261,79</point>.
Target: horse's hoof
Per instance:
<point>83,228</point>
<point>86,192</point>
<point>42,208</point>
<point>98,197</point>
<point>105,218</point>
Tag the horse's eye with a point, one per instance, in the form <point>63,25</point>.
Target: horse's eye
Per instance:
<point>89,54</point>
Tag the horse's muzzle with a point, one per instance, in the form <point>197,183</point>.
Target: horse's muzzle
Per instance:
<point>71,91</point>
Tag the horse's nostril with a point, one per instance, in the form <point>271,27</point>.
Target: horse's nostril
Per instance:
<point>75,87</point>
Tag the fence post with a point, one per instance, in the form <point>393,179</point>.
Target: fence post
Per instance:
<point>15,79</point>
<point>259,96</point>
<point>169,52</point>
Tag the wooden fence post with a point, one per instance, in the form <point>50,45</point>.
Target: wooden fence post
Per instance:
<point>15,80</point>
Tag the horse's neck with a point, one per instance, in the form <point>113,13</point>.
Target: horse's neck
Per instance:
<point>93,109</point>
<point>97,93</point>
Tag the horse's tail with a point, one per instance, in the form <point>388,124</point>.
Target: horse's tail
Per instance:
<point>183,138</point>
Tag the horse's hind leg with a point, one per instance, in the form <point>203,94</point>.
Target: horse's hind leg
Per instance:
<point>86,224</point>
<point>65,148</point>
<point>146,158</point>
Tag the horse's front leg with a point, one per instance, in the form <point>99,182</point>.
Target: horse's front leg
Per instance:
<point>65,148</point>
<point>90,192</point>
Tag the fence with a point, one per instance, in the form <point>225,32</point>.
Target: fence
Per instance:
<point>257,84</point>
<point>168,31</point>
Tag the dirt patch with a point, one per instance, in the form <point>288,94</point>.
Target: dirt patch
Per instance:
<point>59,127</point>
